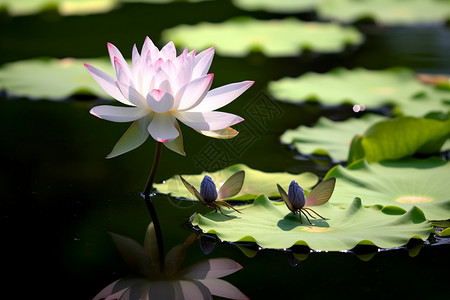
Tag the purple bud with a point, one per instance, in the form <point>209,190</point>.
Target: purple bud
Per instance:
<point>296,195</point>
<point>208,189</point>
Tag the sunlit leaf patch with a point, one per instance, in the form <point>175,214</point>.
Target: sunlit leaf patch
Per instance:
<point>64,7</point>
<point>54,79</point>
<point>369,88</point>
<point>271,225</point>
<point>404,183</point>
<point>386,12</point>
<point>255,183</point>
<point>240,36</point>
<point>285,6</point>
<point>329,137</point>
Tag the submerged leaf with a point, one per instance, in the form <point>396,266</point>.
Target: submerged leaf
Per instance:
<point>271,225</point>
<point>256,182</point>
<point>405,183</point>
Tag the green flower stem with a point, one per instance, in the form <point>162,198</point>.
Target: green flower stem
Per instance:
<point>148,200</point>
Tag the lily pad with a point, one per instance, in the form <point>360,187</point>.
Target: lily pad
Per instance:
<point>395,86</point>
<point>386,12</point>
<point>239,36</point>
<point>255,183</point>
<point>64,7</point>
<point>285,6</point>
<point>271,225</point>
<point>328,137</point>
<point>404,183</point>
<point>400,137</point>
<point>54,79</point>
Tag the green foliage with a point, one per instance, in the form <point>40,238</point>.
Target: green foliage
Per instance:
<point>239,36</point>
<point>402,183</point>
<point>386,12</point>
<point>255,183</point>
<point>271,225</point>
<point>328,137</point>
<point>52,79</point>
<point>396,86</point>
<point>400,137</point>
<point>285,6</point>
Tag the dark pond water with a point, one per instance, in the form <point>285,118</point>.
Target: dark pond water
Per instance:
<point>60,196</point>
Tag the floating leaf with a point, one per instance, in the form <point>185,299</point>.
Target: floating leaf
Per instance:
<point>285,6</point>
<point>386,12</point>
<point>255,183</point>
<point>271,225</point>
<point>54,79</point>
<point>405,183</point>
<point>64,7</point>
<point>400,137</point>
<point>239,36</point>
<point>396,86</point>
<point>327,137</point>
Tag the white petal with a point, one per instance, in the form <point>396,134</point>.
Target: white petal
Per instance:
<point>123,73</point>
<point>119,113</point>
<point>226,133</point>
<point>159,101</point>
<point>168,51</point>
<point>211,268</point>
<point>224,289</point>
<point>135,136</point>
<point>208,121</point>
<point>132,94</point>
<point>148,45</point>
<point>162,128</point>
<point>115,53</point>
<point>203,62</point>
<point>177,144</point>
<point>221,96</point>
<point>192,93</point>
<point>107,82</point>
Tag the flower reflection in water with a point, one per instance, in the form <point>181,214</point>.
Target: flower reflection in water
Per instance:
<point>197,281</point>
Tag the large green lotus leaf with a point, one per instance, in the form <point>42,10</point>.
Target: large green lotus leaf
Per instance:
<point>65,7</point>
<point>387,12</point>
<point>400,137</point>
<point>404,183</point>
<point>285,6</point>
<point>255,183</point>
<point>239,36</point>
<point>395,86</point>
<point>54,79</point>
<point>271,225</point>
<point>328,137</point>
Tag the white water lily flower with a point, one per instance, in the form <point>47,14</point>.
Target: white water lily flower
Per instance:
<point>161,88</point>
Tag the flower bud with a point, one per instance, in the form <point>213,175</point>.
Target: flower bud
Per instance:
<point>296,195</point>
<point>208,189</point>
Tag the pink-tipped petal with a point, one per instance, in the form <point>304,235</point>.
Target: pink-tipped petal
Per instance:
<point>221,96</point>
<point>193,93</point>
<point>159,101</point>
<point>122,72</point>
<point>177,144</point>
<point>162,128</point>
<point>168,51</point>
<point>224,289</point>
<point>211,268</point>
<point>115,53</point>
<point>132,94</point>
<point>107,82</point>
<point>208,121</point>
<point>119,113</point>
<point>135,136</point>
<point>203,62</point>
